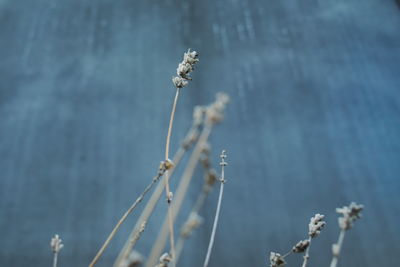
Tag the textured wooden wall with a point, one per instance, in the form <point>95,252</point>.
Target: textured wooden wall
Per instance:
<point>313,124</point>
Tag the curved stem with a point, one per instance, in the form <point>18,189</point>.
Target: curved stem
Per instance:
<point>151,204</point>
<point>166,180</point>
<point>180,194</point>
<point>123,218</point>
<point>221,192</point>
<point>214,229</point>
<point>171,122</point>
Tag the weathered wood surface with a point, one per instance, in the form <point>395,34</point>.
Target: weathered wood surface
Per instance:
<point>314,123</point>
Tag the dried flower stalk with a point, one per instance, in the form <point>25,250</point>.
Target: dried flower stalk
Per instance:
<point>164,166</point>
<point>56,246</point>
<point>214,114</point>
<point>183,70</point>
<point>223,163</point>
<point>190,139</point>
<point>350,214</point>
<point>194,220</point>
<point>314,229</point>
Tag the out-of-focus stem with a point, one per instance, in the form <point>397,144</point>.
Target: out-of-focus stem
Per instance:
<point>196,208</point>
<point>337,247</point>
<point>55,257</point>
<point>180,194</point>
<point>151,204</point>
<point>123,218</point>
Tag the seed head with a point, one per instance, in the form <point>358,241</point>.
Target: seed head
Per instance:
<point>56,244</point>
<point>350,214</point>
<point>276,260</point>
<point>316,225</point>
<point>301,246</point>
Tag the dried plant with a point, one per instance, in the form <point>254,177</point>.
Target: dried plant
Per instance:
<point>184,68</point>
<point>194,220</point>
<point>56,246</point>
<point>314,229</point>
<point>223,163</point>
<point>350,214</point>
<point>204,119</point>
<point>190,139</point>
<point>213,115</point>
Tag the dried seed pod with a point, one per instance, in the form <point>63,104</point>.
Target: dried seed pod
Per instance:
<point>56,244</point>
<point>301,246</point>
<point>276,260</point>
<point>350,214</point>
<point>316,225</point>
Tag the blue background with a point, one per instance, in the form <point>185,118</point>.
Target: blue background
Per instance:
<point>314,123</point>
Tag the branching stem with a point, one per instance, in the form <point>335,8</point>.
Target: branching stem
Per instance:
<point>307,254</point>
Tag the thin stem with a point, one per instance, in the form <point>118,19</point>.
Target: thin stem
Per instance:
<point>171,122</point>
<point>210,245</point>
<point>307,255</point>
<point>171,233</point>
<point>337,248</point>
<point>151,204</point>
<point>214,229</point>
<point>123,218</point>
<point>166,180</point>
<point>287,254</point>
<point>180,194</point>
<point>55,258</point>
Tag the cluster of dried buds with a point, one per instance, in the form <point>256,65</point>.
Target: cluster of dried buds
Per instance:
<point>190,58</point>
<point>215,112</point>
<point>210,175</point>
<point>350,214</point>
<point>56,244</point>
<point>193,222</point>
<point>164,166</point>
<point>316,225</point>
<point>301,246</point>
<point>276,260</point>
<point>164,260</point>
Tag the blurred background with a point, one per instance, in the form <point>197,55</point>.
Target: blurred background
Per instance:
<point>313,123</point>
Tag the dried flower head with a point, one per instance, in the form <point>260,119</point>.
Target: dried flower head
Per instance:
<point>276,260</point>
<point>56,244</point>
<point>316,225</point>
<point>164,260</point>
<point>185,68</point>
<point>301,246</point>
<point>215,112</point>
<point>350,214</point>
<point>193,222</point>
<point>191,57</point>
<point>211,177</point>
<point>179,82</point>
